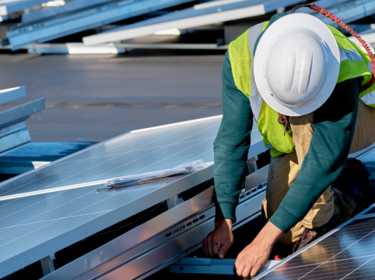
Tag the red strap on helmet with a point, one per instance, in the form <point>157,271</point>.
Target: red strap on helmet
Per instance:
<point>353,33</point>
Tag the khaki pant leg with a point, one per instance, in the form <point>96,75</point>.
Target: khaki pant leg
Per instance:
<point>364,133</point>
<point>282,173</point>
<point>323,209</point>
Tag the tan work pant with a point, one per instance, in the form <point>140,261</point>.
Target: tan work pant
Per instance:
<point>283,172</point>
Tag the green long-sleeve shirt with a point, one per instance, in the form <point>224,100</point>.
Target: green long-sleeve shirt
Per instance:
<point>333,125</point>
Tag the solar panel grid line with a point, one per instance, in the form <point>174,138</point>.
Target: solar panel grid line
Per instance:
<point>120,166</point>
<point>136,150</point>
<point>83,152</point>
<point>106,211</point>
<point>333,261</point>
<point>357,268</point>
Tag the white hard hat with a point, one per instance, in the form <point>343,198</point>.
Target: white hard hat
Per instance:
<point>297,63</point>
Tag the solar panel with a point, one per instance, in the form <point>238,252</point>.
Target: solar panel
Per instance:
<point>33,227</point>
<point>199,15</point>
<point>346,254</point>
<point>88,17</point>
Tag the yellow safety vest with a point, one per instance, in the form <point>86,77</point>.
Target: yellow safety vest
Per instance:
<point>354,63</point>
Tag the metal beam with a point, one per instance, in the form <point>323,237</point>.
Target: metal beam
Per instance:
<point>211,266</point>
<point>13,136</point>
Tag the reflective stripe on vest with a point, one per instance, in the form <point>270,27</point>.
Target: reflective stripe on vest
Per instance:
<point>256,99</point>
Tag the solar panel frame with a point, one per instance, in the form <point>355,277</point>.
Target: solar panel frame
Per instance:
<point>81,212</point>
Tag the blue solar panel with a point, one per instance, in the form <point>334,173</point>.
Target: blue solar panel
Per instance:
<point>346,254</point>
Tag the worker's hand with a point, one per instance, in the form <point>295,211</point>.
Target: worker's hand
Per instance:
<point>220,240</point>
<point>255,255</point>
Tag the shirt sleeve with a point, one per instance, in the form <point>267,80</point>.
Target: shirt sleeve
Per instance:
<point>334,125</point>
<point>231,146</point>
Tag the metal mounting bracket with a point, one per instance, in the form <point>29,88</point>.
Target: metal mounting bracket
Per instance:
<point>252,164</point>
<point>174,201</point>
<point>210,266</point>
<point>47,264</point>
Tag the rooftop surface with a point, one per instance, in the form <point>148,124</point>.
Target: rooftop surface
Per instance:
<point>96,97</point>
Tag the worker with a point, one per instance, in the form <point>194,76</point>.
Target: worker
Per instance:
<point>311,92</point>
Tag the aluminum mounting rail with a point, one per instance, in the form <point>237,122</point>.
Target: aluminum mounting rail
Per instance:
<point>55,27</point>
<point>163,240</point>
<point>199,15</point>
<point>211,266</point>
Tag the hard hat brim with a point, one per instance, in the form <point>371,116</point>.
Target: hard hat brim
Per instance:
<point>279,28</point>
